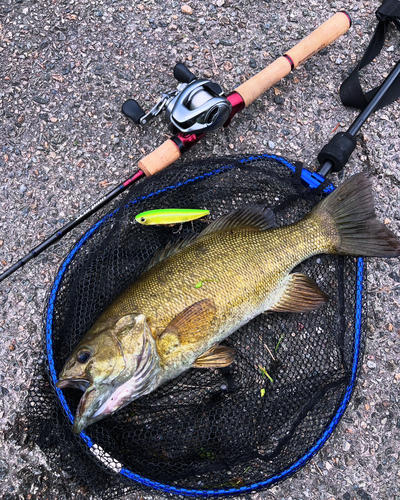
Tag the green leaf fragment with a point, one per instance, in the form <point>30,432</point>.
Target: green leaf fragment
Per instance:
<point>266,374</point>
<point>200,283</point>
<point>262,393</point>
<point>279,341</point>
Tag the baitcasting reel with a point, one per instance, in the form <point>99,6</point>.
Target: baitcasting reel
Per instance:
<point>195,107</point>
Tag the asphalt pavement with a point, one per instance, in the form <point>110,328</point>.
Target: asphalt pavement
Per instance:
<point>66,69</point>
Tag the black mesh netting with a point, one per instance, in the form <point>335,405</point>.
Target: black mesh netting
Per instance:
<point>207,429</point>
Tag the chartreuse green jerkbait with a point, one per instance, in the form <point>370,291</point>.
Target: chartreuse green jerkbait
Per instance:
<point>170,216</point>
<point>162,325</point>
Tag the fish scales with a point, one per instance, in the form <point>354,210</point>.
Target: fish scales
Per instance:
<point>246,268</point>
<point>196,294</point>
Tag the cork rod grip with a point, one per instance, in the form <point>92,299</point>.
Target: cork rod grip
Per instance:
<point>160,158</point>
<point>328,32</point>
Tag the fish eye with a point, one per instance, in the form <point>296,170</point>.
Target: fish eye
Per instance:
<point>142,219</point>
<point>83,356</point>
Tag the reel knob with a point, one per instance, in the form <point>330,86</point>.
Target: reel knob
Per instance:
<point>182,74</point>
<point>134,111</point>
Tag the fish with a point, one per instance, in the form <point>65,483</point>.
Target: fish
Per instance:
<point>170,216</point>
<point>198,292</point>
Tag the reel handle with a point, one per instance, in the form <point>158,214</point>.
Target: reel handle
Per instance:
<point>183,74</point>
<point>133,110</point>
<point>325,34</point>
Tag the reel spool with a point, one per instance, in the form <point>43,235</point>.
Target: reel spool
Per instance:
<point>195,107</point>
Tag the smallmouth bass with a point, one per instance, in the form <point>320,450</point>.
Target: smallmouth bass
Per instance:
<point>164,323</point>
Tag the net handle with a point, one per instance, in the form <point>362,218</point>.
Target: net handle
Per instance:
<point>328,32</point>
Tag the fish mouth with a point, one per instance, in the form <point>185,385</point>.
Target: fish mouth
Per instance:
<point>84,413</point>
<point>73,383</point>
<point>91,400</point>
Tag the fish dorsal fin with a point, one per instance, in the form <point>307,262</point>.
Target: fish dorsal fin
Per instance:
<point>192,323</point>
<point>171,249</point>
<point>300,294</point>
<point>256,217</point>
<point>217,356</point>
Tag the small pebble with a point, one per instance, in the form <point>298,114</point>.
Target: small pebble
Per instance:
<point>271,144</point>
<point>186,9</point>
<point>371,364</point>
<point>3,392</point>
<point>40,100</point>
<point>226,43</point>
<point>3,469</point>
<point>228,66</point>
<point>252,63</point>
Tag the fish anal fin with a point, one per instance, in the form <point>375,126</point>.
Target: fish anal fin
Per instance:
<point>193,323</point>
<point>300,294</point>
<point>216,357</point>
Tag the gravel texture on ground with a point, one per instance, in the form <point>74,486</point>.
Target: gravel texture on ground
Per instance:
<point>66,68</point>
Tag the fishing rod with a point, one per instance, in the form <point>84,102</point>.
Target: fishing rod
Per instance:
<point>195,108</point>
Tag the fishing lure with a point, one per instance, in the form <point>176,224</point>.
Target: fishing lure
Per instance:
<point>170,216</point>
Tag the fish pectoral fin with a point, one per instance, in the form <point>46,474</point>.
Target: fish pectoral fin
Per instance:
<point>300,294</point>
<point>192,323</point>
<point>217,357</point>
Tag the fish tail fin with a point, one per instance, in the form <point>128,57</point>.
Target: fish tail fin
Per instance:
<point>358,231</point>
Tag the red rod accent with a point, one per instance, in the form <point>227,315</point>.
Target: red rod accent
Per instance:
<point>134,178</point>
<point>348,17</point>
<point>189,140</point>
<point>290,61</point>
<point>237,105</point>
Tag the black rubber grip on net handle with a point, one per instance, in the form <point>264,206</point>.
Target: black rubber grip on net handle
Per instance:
<point>338,151</point>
